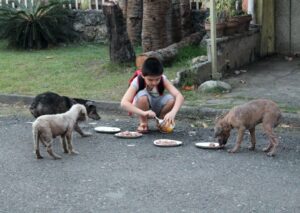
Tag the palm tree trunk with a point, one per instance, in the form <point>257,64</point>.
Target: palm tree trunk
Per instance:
<point>185,14</point>
<point>154,34</point>
<point>134,20</point>
<point>123,5</point>
<point>176,21</point>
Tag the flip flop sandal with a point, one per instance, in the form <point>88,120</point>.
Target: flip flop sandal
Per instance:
<point>143,128</point>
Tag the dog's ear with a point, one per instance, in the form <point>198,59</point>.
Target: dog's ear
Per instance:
<point>90,106</point>
<point>83,111</point>
<point>83,114</point>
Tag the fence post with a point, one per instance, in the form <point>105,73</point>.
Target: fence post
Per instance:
<point>97,3</point>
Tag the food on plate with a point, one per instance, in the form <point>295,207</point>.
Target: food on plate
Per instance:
<point>167,142</point>
<point>212,145</point>
<point>128,134</point>
<point>107,129</point>
<point>208,145</point>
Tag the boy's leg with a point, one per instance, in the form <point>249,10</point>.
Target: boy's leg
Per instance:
<point>142,102</point>
<point>162,105</point>
<point>166,108</point>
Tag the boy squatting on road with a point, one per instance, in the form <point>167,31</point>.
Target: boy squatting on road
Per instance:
<point>151,99</point>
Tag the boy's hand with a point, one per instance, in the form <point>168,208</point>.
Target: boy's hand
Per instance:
<point>150,114</point>
<point>170,117</point>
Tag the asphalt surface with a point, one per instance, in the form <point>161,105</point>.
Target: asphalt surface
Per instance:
<point>133,175</point>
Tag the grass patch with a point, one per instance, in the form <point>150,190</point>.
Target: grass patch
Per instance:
<point>188,52</point>
<point>76,70</point>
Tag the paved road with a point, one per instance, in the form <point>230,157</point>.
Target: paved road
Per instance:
<point>121,175</point>
<point>274,78</point>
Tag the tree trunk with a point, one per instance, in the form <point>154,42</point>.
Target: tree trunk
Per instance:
<point>169,25</point>
<point>154,34</point>
<point>123,5</point>
<point>120,48</point>
<point>176,21</point>
<point>168,54</point>
<point>134,20</point>
<point>185,13</point>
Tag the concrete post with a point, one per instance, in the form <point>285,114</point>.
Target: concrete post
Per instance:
<point>251,10</point>
<point>214,66</point>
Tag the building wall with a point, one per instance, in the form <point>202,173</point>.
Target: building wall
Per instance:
<point>265,18</point>
<point>287,26</point>
<point>295,26</point>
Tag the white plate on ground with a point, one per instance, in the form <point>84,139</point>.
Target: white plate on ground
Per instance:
<point>107,129</point>
<point>128,134</point>
<point>208,145</point>
<point>167,143</point>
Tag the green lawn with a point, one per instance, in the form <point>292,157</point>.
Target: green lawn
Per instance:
<point>81,70</point>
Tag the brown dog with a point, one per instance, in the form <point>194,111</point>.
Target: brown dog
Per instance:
<point>247,116</point>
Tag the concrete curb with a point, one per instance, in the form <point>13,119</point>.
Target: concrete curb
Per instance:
<point>187,112</point>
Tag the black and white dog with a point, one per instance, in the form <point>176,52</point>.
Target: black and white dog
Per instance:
<point>52,103</point>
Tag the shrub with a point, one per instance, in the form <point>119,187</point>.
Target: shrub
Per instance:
<point>37,26</point>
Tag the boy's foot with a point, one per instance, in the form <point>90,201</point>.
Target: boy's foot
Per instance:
<point>143,128</point>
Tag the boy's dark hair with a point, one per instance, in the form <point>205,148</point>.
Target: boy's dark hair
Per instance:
<point>152,66</point>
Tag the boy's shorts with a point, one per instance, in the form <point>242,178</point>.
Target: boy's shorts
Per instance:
<point>156,103</point>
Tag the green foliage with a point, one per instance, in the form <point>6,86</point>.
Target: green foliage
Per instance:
<point>232,7</point>
<point>226,9</point>
<point>37,26</point>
